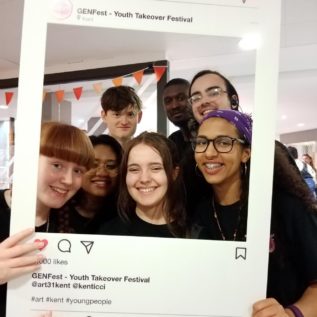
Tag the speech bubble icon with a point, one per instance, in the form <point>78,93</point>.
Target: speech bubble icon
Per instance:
<point>64,245</point>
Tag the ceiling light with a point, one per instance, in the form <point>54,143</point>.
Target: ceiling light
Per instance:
<point>250,42</point>
<point>300,124</point>
<point>284,117</point>
<point>3,107</point>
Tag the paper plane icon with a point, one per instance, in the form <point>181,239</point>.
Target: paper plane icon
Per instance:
<point>88,245</point>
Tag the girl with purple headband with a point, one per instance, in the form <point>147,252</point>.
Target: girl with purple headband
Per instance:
<point>225,166</point>
<point>222,153</point>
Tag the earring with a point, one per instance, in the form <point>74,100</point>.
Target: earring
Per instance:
<point>234,102</point>
<point>245,169</point>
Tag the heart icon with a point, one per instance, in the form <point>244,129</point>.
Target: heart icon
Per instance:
<point>44,241</point>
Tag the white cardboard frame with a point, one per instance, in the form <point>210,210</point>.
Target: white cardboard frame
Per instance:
<point>184,287</point>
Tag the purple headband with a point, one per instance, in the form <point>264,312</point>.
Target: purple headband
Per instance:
<point>242,121</point>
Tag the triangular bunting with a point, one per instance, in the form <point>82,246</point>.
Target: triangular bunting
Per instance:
<point>159,71</point>
<point>97,88</point>
<point>138,76</point>
<point>59,95</point>
<point>77,92</point>
<point>117,81</point>
<point>8,96</point>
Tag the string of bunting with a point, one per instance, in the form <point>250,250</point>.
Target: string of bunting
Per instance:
<point>137,75</point>
<point>60,93</point>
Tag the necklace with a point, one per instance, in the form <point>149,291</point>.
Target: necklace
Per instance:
<point>215,214</point>
<point>43,227</point>
<point>48,224</point>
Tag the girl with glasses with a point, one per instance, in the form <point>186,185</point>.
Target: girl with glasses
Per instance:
<point>223,152</point>
<point>209,90</point>
<point>95,203</point>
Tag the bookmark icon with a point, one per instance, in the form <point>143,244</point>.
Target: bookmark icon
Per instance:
<point>241,253</point>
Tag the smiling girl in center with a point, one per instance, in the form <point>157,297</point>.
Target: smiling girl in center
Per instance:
<point>151,194</point>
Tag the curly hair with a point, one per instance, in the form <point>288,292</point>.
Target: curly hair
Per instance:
<point>287,177</point>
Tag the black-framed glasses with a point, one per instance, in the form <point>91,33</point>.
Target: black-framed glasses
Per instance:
<point>110,166</point>
<point>222,144</point>
<point>212,93</point>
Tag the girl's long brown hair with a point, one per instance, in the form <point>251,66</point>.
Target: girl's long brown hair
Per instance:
<point>173,207</point>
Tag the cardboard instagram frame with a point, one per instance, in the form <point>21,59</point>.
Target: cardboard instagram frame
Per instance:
<point>236,18</point>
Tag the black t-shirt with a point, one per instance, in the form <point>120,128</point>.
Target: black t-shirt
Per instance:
<point>182,145</point>
<point>232,220</point>
<point>81,224</point>
<point>4,217</point>
<point>4,233</point>
<point>135,227</point>
<point>293,245</point>
<point>71,221</point>
<point>195,184</point>
<point>51,225</point>
<point>293,249</point>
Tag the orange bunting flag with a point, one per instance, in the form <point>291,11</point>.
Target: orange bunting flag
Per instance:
<point>117,81</point>
<point>8,96</point>
<point>138,76</point>
<point>59,95</point>
<point>159,71</point>
<point>97,88</point>
<point>44,95</point>
<point>77,92</point>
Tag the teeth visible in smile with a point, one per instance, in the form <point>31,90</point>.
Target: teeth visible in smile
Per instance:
<point>60,190</point>
<point>207,111</point>
<point>213,165</point>
<point>146,190</point>
<point>99,182</point>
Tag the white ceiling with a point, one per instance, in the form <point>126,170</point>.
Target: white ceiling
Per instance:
<point>72,48</point>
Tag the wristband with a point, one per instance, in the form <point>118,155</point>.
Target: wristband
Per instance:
<point>295,310</point>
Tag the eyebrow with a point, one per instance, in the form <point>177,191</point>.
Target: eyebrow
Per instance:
<point>212,87</point>
<point>206,90</point>
<point>217,136</point>
<point>149,164</point>
<point>106,161</point>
